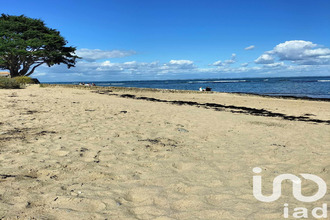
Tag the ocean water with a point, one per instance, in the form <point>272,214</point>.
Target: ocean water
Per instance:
<point>312,87</point>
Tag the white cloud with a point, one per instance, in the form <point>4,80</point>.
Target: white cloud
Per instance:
<point>181,62</point>
<point>293,50</point>
<point>232,60</point>
<point>249,47</point>
<point>264,59</point>
<point>325,57</point>
<point>226,62</point>
<point>244,64</point>
<point>280,64</point>
<point>134,67</point>
<point>97,54</point>
<point>130,63</point>
<point>107,63</point>
<point>299,52</point>
<point>217,63</point>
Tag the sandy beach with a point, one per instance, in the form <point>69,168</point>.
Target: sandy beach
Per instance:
<point>70,153</point>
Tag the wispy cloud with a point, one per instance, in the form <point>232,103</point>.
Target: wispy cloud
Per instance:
<point>226,62</point>
<point>217,63</point>
<point>272,65</point>
<point>97,54</point>
<point>249,47</point>
<point>232,60</point>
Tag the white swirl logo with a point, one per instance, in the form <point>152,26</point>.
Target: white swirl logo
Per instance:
<point>296,187</point>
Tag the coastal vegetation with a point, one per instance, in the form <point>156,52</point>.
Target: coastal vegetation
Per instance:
<point>27,43</point>
<point>16,82</point>
<point>26,80</point>
<point>8,83</point>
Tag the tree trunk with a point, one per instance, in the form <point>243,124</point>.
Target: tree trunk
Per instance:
<point>13,66</point>
<point>13,72</point>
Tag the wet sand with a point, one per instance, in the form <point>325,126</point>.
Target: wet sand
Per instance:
<point>68,153</point>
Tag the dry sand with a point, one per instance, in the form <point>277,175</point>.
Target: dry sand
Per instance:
<point>75,154</point>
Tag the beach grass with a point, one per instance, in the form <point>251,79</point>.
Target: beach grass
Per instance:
<point>24,80</point>
<point>8,83</point>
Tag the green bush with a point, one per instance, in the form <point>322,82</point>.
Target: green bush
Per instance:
<point>24,80</point>
<point>8,83</point>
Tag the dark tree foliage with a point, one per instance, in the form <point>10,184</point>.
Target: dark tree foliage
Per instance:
<point>27,43</point>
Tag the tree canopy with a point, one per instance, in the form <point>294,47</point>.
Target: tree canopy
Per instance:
<point>26,43</point>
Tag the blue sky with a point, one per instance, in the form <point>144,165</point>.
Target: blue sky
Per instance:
<point>151,39</point>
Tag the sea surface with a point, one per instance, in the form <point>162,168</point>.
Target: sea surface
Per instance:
<point>312,87</point>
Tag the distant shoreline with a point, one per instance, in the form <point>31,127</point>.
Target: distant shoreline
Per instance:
<point>311,88</point>
<point>135,89</point>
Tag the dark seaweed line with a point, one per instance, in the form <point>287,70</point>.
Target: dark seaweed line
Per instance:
<point>5,176</point>
<point>231,108</point>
